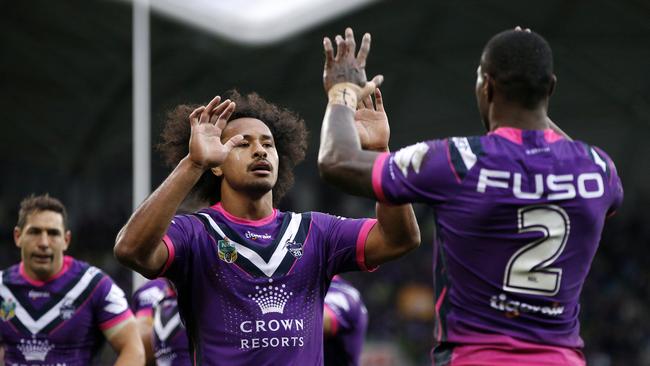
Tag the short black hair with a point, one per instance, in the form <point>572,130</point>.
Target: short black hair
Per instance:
<point>521,64</point>
<point>33,204</point>
<point>288,129</point>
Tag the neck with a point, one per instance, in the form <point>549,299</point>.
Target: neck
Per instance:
<point>244,206</point>
<point>506,114</point>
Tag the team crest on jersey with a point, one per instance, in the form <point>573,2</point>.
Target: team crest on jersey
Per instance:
<point>7,310</point>
<point>227,251</point>
<point>67,309</point>
<point>294,248</point>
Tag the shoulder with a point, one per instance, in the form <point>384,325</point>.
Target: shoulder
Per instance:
<point>10,274</point>
<point>155,286</point>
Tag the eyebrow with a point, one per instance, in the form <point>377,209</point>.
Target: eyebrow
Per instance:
<point>262,137</point>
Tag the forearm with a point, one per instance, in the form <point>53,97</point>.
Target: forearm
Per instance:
<point>395,234</point>
<point>399,225</point>
<point>145,325</point>
<point>341,160</point>
<point>130,355</point>
<point>138,240</point>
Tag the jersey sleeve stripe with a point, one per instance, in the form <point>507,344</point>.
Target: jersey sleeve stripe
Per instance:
<point>361,244</point>
<point>464,149</point>
<point>171,253</point>
<point>117,320</point>
<point>144,313</point>
<point>451,165</point>
<point>377,170</point>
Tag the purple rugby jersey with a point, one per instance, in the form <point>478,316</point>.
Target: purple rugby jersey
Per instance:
<point>157,299</point>
<point>58,322</point>
<point>252,292</point>
<point>147,296</point>
<point>350,321</point>
<point>519,215</point>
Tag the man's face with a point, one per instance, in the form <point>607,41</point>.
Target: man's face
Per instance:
<point>251,166</point>
<point>482,98</point>
<point>42,242</point>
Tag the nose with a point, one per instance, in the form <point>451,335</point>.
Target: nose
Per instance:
<point>44,240</point>
<point>259,151</point>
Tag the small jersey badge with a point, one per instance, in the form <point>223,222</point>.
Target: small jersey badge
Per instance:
<point>7,310</point>
<point>67,309</point>
<point>227,250</point>
<point>294,248</point>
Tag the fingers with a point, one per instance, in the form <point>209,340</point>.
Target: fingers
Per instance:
<point>363,50</point>
<point>367,102</point>
<point>379,100</point>
<point>194,116</point>
<point>350,43</point>
<point>233,141</point>
<point>519,29</point>
<point>225,115</point>
<point>371,85</point>
<point>341,49</point>
<point>218,110</point>
<point>329,51</point>
<point>207,112</point>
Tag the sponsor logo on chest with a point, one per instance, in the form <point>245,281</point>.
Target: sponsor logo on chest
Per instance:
<point>34,349</point>
<point>254,236</point>
<point>33,294</point>
<point>261,332</point>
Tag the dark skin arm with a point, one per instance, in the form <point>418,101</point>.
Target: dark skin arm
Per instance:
<point>139,244</point>
<point>341,159</point>
<point>345,159</point>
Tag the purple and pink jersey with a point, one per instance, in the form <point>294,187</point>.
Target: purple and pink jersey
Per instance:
<point>157,299</point>
<point>349,323</point>
<point>519,215</point>
<point>59,322</point>
<point>252,292</point>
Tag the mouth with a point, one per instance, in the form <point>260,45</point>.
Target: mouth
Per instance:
<point>42,258</point>
<point>262,168</point>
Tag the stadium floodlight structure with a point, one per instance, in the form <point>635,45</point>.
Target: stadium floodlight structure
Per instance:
<point>249,22</point>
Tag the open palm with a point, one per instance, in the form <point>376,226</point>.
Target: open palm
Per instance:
<point>372,123</point>
<point>207,123</point>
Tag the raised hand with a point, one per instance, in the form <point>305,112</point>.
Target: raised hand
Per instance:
<point>207,123</point>
<point>371,122</point>
<point>346,67</point>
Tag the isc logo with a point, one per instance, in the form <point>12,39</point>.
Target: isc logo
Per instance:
<point>556,187</point>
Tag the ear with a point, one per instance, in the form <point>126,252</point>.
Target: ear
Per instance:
<point>67,237</point>
<point>17,233</point>
<point>217,171</point>
<point>551,88</point>
<point>488,85</point>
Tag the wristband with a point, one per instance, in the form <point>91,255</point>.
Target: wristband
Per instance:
<point>344,94</point>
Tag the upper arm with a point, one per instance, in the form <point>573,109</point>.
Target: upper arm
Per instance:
<point>426,172</point>
<point>614,184</point>
<point>344,242</point>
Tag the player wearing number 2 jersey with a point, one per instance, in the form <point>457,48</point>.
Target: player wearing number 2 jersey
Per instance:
<point>519,211</point>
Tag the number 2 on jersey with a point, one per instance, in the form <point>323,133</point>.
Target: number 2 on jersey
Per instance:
<point>528,270</point>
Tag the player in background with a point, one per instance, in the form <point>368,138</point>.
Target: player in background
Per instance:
<point>251,279</point>
<point>519,211</point>
<point>155,307</point>
<point>345,323</point>
<point>55,310</point>
<point>164,337</point>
